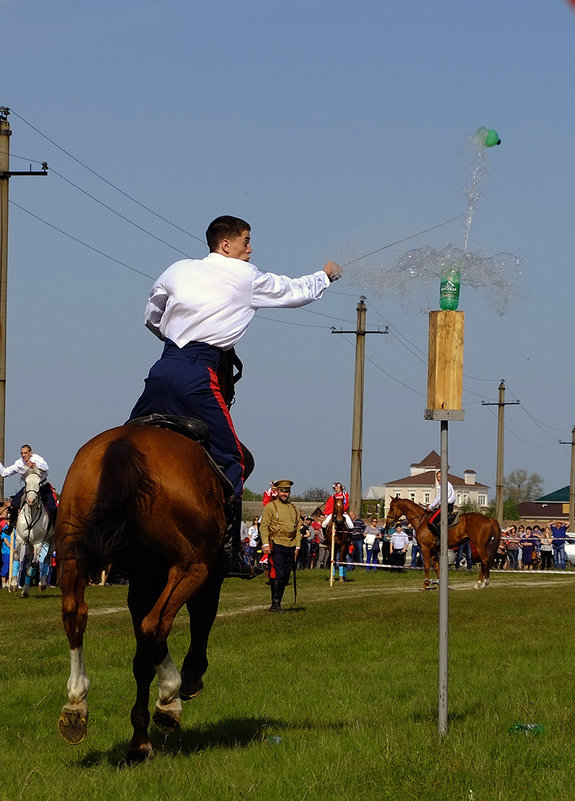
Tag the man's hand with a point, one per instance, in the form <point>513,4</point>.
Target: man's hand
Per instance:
<point>333,271</point>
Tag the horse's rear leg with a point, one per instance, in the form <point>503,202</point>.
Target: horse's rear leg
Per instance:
<point>73,721</point>
<point>184,584</point>
<point>142,596</point>
<point>202,608</point>
<point>428,559</point>
<point>153,616</point>
<point>483,579</point>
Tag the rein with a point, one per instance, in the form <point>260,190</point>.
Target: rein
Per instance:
<point>413,520</point>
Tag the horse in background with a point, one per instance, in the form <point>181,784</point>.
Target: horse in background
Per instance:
<point>337,538</point>
<point>482,531</point>
<point>34,535</point>
<point>147,500</point>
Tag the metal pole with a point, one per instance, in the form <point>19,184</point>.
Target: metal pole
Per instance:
<point>5,134</point>
<point>355,484</point>
<point>332,555</point>
<point>443,585</point>
<point>572,484</point>
<point>500,436</point>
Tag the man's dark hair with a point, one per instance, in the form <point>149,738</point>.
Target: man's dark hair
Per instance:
<point>225,227</point>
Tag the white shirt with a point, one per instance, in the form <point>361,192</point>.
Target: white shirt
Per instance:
<point>450,496</point>
<point>214,299</point>
<point>21,467</point>
<point>399,540</point>
<point>253,535</point>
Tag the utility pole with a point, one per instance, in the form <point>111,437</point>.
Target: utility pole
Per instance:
<point>571,481</point>
<point>500,436</point>
<point>355,484</point>
<point>5,175</point>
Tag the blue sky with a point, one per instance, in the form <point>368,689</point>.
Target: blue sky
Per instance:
<point>335,128</point>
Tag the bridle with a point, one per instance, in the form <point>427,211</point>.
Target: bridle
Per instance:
<point>413,522</point>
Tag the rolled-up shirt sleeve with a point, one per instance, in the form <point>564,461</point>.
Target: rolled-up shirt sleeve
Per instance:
<point>270,290</point>
<point>156,307</point>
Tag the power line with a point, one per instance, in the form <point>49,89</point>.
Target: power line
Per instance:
<point>105,180</point>
<point>404,239</point>
<point>79,241</point>
<point>122,216</point>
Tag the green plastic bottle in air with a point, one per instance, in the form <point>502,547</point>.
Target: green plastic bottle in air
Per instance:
<point>449,288</point>
<point>488,137</point>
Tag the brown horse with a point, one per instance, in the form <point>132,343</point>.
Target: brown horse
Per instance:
<point>482,531</point>
<point>147,500</point>
<point>338,531</point>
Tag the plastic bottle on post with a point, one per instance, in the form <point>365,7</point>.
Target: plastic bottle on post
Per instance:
<point>449,288</point>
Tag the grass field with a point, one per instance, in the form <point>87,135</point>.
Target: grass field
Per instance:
<point>337,700</point>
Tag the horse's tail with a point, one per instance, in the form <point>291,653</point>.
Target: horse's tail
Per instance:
<point>124,489</point>
<point>493,541</point>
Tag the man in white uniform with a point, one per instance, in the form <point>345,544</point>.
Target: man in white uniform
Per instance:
<point>200,308</point>
<point>435,521</point>
<point>21,467</point>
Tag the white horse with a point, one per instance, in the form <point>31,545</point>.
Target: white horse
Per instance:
<point>34,531</point>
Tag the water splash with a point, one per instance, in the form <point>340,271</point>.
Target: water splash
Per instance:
<point>473,192</point>
<point>416,273</point>
<point>415,276</point>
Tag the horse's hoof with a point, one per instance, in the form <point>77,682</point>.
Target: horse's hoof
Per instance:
<point>140,753</point>
<point>73,726</point>
<point>191,689</point>
<point>341,579</point>
<point>24,593</point>
<point>167,717</point>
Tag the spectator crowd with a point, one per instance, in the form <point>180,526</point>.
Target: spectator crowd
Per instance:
<point>372,545</point>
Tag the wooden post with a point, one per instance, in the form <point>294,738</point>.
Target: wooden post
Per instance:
<point>332,560</point>
<point>445,360</point>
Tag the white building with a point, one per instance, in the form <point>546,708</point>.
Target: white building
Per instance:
<point>421,486</point>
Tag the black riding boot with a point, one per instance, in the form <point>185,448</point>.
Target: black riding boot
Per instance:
<point>236,565</point>
<point>277,595</point>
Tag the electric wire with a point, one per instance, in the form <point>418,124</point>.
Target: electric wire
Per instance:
<point>119,214</point>
<point>411,347</point>
<point>404,239</point>
<point>105,180</point>
<point>79,241</point>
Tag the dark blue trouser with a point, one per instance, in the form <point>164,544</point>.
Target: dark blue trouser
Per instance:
<point>184,381</point>
<point>281,563</point>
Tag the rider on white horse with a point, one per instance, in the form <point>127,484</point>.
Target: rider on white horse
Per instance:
<point>21,467</point>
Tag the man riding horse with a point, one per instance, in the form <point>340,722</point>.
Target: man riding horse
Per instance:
<point>434,521</point>
<point>200,308</point>
<point>338,492</point>
<point>22,466</point>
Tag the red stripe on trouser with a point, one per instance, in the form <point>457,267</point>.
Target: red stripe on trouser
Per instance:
<point>217,393</point>
<point>273,574</point>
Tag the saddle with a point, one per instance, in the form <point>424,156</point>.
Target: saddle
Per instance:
<point>191,428</point>
<point>452,520</point>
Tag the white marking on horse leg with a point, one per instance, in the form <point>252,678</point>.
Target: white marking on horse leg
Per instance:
<point>78,683</point>
<point>169,680</point>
